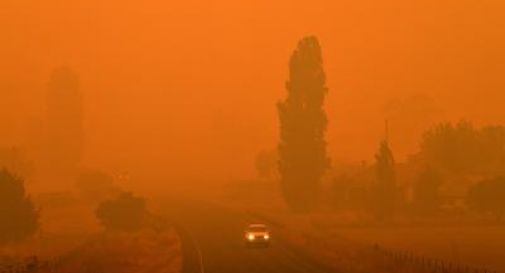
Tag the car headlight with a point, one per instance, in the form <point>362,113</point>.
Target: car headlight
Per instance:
<point>266,236</point>
<point>250,237</point>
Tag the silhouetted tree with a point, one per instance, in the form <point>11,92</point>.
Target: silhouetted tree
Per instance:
<point>426,194</point>
<point>125,213</point>
<point>384,193</point>
<point>303,122</point>
<point>65,117</point>
<point>488,197</point>
<point>18,216</point>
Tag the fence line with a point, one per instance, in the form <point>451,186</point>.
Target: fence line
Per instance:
<point>426,264</point>
<point>29,265</point>
<point>398,258</point>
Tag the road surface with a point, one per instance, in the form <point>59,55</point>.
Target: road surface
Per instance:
<point>213,243</point>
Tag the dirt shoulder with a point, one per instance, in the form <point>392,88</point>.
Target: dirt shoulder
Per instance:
<point>142,251</point>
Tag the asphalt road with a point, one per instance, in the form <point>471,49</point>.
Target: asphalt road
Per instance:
<point>213,243</point>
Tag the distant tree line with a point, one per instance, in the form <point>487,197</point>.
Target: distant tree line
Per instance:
<point>454,162</point>
<point>461,149</point>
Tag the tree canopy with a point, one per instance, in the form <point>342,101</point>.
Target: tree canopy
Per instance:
<point>462,149</point>
<point>384,190</point>
<point>302,148</point>
<point>18,216</point>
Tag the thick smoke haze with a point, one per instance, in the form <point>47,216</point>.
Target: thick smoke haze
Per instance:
<point>175,89</point>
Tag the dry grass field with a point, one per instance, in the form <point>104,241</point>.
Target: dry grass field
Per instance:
<point>145,251</point>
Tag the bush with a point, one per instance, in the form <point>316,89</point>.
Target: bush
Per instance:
<point>18,216</point>
<point>125,213</point>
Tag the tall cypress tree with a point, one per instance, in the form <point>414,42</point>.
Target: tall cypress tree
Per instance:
<point>302,148</point>
<point>385,190</point>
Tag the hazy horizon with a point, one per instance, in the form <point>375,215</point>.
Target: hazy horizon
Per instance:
<point>189,88</point>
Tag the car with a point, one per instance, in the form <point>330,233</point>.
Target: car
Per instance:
<point>257,235</point>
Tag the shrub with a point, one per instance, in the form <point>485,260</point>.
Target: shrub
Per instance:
<point>124,213</point>
<point>18,216</point>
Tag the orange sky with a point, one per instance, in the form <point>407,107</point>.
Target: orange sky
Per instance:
<point>188,88</point>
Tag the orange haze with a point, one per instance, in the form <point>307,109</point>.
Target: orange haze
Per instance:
<point>188,88</point>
